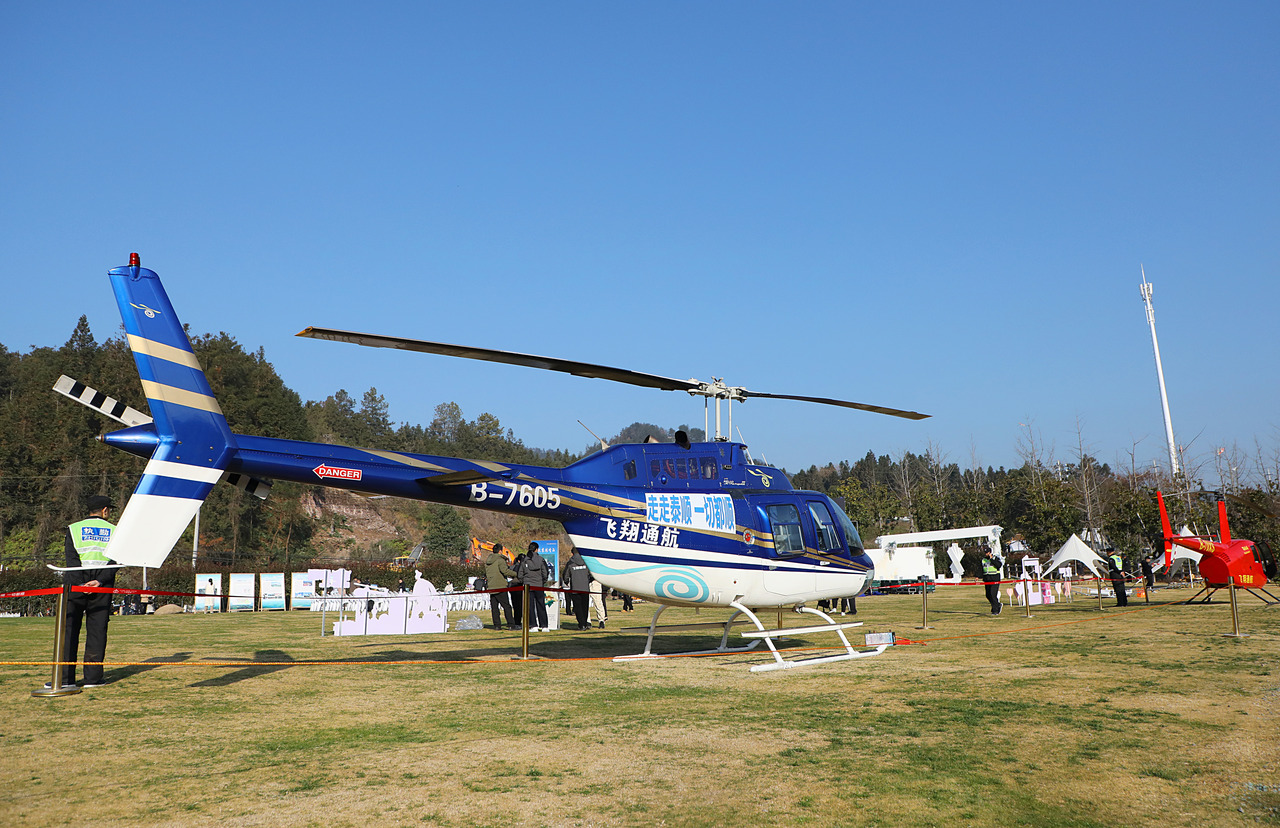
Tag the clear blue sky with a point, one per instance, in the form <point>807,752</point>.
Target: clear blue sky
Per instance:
<point>927,205</point>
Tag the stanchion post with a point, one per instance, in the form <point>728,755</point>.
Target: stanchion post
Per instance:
<point>55,688</point>
<point>1235,615</point>
<point>924,605</point>
<point>1026,597</point>
<point>1098,583</point>
<point>524,631</point>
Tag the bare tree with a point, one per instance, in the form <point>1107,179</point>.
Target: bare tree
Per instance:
<point>1133,476</point>
<point>904,483</point>
<point>1232,467</point>
<point>1031,449</point>
<point>1085,480</point>
<point>935,462</point>
<point>1268,464</point>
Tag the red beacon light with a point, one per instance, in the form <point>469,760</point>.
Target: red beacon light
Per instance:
<point>134,261</point>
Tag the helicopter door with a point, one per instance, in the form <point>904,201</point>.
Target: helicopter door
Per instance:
<point>824,526</point>
<point>792,528</point>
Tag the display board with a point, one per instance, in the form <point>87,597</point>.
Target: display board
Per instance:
<point>302,590</point>
<point>209,592</point>
<point>271,590</point>
<point>241,592</point>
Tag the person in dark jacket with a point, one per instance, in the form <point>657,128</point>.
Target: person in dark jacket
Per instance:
<point>85,545</point>
<point>497,572</point>
<point>534,574</point>
<point>576,577</point>
<point>991,566</point>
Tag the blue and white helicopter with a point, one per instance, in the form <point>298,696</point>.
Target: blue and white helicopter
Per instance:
<point>680,524</point>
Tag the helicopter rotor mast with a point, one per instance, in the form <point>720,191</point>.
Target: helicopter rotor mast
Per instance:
<point>717,389</point>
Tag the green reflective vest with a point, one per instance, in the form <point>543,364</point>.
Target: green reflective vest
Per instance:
<point>90,538</point>
<point>1116,563</point>
<point>989,567</point>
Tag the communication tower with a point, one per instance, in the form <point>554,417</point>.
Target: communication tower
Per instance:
<point>1164,398</point>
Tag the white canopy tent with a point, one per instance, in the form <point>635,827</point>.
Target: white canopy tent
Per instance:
<point>1075,550</point>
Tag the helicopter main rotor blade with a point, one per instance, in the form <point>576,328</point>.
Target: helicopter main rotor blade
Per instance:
<point>567,366</point>
<point>582,369</point>
<point>877,409</point>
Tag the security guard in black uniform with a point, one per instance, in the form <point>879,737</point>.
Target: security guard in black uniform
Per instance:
<point>1117,577</point>
<point>86,545</point>
<point>991,565</point>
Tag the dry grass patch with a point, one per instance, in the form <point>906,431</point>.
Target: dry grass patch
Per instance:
<point>1074,718</point>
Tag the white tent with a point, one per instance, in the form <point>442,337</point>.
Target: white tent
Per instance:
<point>1075,550</point>
<point>1180,553</point>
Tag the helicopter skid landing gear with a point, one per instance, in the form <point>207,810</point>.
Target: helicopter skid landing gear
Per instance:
<point>1273,602</point>
<point>724,638</point>
<point>1208,592</point>
<point>781,663</point>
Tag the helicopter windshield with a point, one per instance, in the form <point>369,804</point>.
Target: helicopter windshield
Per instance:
<point>850,531</point>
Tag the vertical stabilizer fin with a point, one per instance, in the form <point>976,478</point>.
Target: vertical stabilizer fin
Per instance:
<point>1166,532</point>
<point>195,443</point>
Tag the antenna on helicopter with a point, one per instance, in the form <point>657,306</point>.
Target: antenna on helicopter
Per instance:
<point>603,444</point>
<point>747,451</point>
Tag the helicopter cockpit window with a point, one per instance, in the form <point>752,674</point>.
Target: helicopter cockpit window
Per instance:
<point>709,470</point>
<point>655,468</point>
<point>827,537</point>
<point>850,531</point>
<point>784,519</point>
<point>629,470</point>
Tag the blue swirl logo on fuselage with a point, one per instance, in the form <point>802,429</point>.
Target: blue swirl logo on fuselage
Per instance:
<point>681,586</point>
<point>676,584</point>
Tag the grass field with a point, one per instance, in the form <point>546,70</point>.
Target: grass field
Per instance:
<point>1074,717</point>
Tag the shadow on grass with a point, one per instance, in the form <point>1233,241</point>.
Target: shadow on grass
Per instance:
<point>265,662</point>
<point>272,665</point>
<point>121,673</point>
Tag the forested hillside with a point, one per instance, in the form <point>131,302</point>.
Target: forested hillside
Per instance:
<point>50,462</point>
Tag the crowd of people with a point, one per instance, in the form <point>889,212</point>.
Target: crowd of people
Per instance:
<point>528,575</point>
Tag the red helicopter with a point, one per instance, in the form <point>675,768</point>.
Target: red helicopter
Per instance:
<point>1225,561</point>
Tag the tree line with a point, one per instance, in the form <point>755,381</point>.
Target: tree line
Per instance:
<point>1042,502</point>
<point>50,463</point>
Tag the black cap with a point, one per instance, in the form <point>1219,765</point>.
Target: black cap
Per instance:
<point>99,502</point>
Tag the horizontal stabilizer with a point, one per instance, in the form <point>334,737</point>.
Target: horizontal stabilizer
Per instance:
<point>113,408</point>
